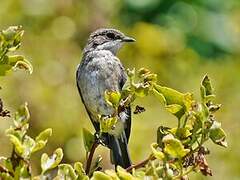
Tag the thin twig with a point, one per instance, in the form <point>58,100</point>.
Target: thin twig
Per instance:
<point>140,164</point>
<point>90,157</point>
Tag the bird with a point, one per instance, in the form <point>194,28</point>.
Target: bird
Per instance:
<point>99,71</point>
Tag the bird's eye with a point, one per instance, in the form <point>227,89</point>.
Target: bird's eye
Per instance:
<point>111,35</point>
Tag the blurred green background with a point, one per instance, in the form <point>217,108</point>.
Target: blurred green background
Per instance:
<point>179,40</point>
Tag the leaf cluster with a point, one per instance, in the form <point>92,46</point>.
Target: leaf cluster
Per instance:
<point>177,151</point>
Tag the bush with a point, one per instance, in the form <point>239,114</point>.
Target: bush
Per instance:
<point>178,151</point>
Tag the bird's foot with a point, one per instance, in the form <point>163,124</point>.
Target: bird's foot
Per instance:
<point>101,138</point>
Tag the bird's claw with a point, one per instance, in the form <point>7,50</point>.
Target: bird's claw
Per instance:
<point>100,139</point>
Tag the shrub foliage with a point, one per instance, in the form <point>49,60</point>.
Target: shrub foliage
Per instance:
<point>177,151</point>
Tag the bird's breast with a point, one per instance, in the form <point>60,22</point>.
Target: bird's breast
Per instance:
<point>98,75</point>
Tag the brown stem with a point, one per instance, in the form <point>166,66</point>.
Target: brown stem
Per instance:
<point>140,164</point>
<point>90,157</point>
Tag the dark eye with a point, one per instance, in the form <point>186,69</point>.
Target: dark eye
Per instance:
<point>111,35</point>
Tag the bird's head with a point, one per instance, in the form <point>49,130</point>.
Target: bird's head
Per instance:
<point>107,39</point>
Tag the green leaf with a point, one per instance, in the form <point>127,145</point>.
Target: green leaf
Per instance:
<point>12,33</point>
<point>174,108</point>
<point>28,146</point>
<point>51,162</point>
<point>112,174</point>
<point>41,139</point>
<point>6,176</point>
<point>97,175</point>
<point>141,90</point>
<point>22,171</point>
<point>171,96</point>
<point>217,134</point>
<point>160,97</point>
<point>39,145</point>
<point>7,164</point>
<point>174,147</point>
<point>124,175</point>
<point>206,83</point>
<point>112,98</point>
<point>206,90</point>
<point>157,154</point>
<point>161,132</point>
<point>22,116</point>
<point>142,72</point>
<point>17,144</point>
<point>88,139</point>
<point>66,172</point>
<point>19,62</point>
<point>151,78</point>
<point>173,100</point>
<point>188,101</point>
<point>43,136</point>
<point>108,124</point>
<point>80,170</point>
<point>181,133</point>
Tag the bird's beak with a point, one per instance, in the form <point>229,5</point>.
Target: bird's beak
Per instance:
<point>128,39</point>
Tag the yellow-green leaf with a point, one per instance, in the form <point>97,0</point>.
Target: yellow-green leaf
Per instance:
<point>172,96</point>
<point>174,147</point>
<point>97,175</point>
<point>52,161</point>
<point>157,154</point>
<point>112,98</point>
<point>88,139</point>
<point>44,135</point>
<point>217,134</point>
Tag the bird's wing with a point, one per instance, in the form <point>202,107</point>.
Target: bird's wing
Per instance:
<point>128,109</point>
<point>94,122</point>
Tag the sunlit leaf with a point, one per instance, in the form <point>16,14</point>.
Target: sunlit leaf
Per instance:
<point>160,97</point>
<point>174,147</point>
<point>206,83</point>
<point>17,144</point>
<point>97,175</point>
<point>6,176</point>
<point>141,90</point>
<point>108,124</point>
<point>28,145</point>
<point>172,96</point>
<point>124,175</point>
<point>157,153</point>
<point>66,172</point>
<point>217,134</point>
<point>112,98</point>
<point>112,174</point>
<point>206,90</point>
<point>88,139</point>
<point>80,170</point>
<point>26,65</point>
<point>174,108</point>
<point>52,161</point>
<point>41,139</point>
<point>181,133</point>
<point>161,132</point>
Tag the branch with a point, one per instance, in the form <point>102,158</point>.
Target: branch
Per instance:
<point>140,164</point>
<point>90,157</point>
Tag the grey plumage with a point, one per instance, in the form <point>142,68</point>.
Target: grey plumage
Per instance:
<point>101,70</point>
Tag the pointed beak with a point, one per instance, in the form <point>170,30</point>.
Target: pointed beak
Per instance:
<point>128,39</point>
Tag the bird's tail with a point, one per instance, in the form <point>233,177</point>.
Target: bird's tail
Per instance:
<point>119,150</point>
